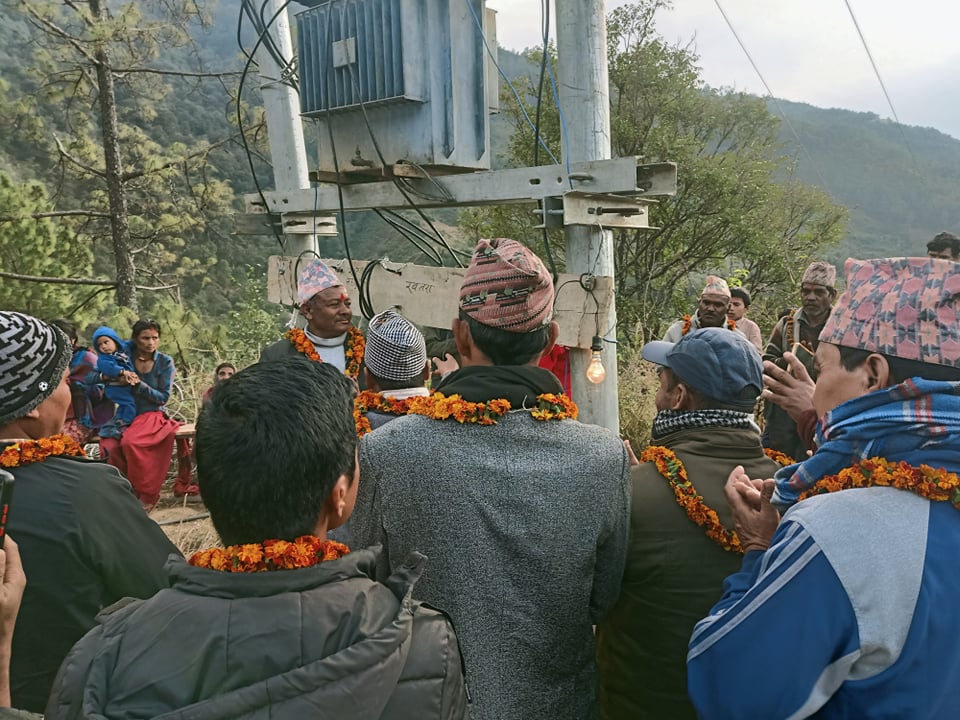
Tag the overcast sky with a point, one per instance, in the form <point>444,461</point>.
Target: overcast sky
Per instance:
<point>809,51</point>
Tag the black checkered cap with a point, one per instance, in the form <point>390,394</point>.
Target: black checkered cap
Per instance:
<point>395,349</point>
<point>33,356</point>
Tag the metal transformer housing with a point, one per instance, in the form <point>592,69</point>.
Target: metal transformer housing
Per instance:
<point>416,69</point>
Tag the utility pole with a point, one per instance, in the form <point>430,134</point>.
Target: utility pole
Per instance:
<point>281,105</point>
<point>584,90</point>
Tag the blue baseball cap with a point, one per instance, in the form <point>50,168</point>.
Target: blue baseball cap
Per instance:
<point>716,362</point>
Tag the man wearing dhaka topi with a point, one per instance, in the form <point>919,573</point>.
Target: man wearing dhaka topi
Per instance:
<point>328,337</point>
<point>844,607</point>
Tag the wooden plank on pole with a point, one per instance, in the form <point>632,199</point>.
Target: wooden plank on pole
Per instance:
<point>428,296</point>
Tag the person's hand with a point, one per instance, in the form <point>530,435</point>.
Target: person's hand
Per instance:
<point>447,365</point>
<point>12,583</point>
<point>791,389</point>
<point>634,460</point>
<point>131,378</point>
<point>754,518</point>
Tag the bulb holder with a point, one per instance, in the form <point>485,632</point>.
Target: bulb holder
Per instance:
<point>596,345</point>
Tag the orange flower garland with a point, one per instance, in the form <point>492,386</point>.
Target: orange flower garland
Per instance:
<point>688,323</point>
<point>25,452</point>
<point>369,400</point>
<point>352,350</point>
<point>934,484</point>
<point>549,406</point>
<point>303,552</point>
<point>782,459</point>
<point>689,499</point>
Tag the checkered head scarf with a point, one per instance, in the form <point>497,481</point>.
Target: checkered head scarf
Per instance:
<point>33,356</point>
<point>314,277</point>
<point>395,349</point>
<point>507,287</point>
<point>904,307</point>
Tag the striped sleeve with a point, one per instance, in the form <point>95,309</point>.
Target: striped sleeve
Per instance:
<point>785,615</point>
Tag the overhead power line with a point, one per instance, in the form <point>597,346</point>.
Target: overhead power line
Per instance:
<point>776,101</point>
<point>883,86</point>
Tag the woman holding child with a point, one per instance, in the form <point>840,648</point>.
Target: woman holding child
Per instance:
<point>142,452</point>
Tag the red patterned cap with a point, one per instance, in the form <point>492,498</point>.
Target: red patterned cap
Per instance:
<point>903,307</point>
<point>506,286</point>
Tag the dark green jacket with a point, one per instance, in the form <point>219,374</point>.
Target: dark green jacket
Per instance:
<point>320,642</point>
<point>673,576</point>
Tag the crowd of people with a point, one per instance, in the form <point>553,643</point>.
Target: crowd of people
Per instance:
<point>397,543</point>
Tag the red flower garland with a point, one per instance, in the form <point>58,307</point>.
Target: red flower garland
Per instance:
<point>25,452</point>
<point>352,349</point>
<point>303,552</point>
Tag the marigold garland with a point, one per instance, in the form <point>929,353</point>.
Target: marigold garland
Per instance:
<point>369,400</point>
<point>25,452</point>
<point>549,406</point>
<point>936,484</point>
<point>782,459</point>
<point>353,348</point>
<point>687,497</point>
<point>688,323</point>
<point>303,552</point>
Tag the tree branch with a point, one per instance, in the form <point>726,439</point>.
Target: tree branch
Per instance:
<point>76,281</point>
<point>176,73</point>
<point>173,163</point>
<point>64,154</point>
<point>52,29</point>
<point>55,213</point>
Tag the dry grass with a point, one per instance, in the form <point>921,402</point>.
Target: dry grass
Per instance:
<point>189,534</point>
<point>637,386</point>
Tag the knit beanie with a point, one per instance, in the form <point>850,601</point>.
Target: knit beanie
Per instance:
<point>395,349</point>
<point>507,287</point>
<point>33,356</point>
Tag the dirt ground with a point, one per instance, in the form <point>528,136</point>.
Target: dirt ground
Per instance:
<point>186,522</point>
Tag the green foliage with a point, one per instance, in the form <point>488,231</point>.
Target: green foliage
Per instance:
<point>738,204</point>
<point>41,247</point>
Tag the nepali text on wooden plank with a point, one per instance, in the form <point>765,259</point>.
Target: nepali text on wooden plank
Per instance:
<point>428,295</point>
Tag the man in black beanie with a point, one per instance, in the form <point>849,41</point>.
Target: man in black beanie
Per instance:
<point>84,539</point>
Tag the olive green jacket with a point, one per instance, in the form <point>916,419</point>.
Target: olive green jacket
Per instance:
<point>673,576</point>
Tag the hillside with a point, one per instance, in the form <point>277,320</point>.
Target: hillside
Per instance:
<point>898,197</point>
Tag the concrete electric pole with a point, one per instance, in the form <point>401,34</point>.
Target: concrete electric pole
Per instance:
<point>585,99</point>
<point>284,128</point>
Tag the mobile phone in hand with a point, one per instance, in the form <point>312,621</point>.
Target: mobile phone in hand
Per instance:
<point>6,500</point>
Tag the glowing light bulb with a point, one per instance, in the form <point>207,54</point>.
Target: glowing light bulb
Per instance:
<point>596,372</point>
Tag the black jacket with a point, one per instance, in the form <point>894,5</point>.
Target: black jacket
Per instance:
<point>85,542</point>
<point>320,642</point>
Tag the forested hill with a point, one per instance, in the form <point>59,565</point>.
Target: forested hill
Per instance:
<point>901,184</point>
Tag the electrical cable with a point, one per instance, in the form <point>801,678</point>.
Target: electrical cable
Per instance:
<point>407,226</point>
<point>516,95</point>
<point>776,101</point>
<point>239,111</point>
<point>411,237</point>
<point>545,29</point>
<point>383,162</point>
<point>883,86</point>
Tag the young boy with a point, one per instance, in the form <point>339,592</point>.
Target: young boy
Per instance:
<point>281,622</point>
<point>112,362</point>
